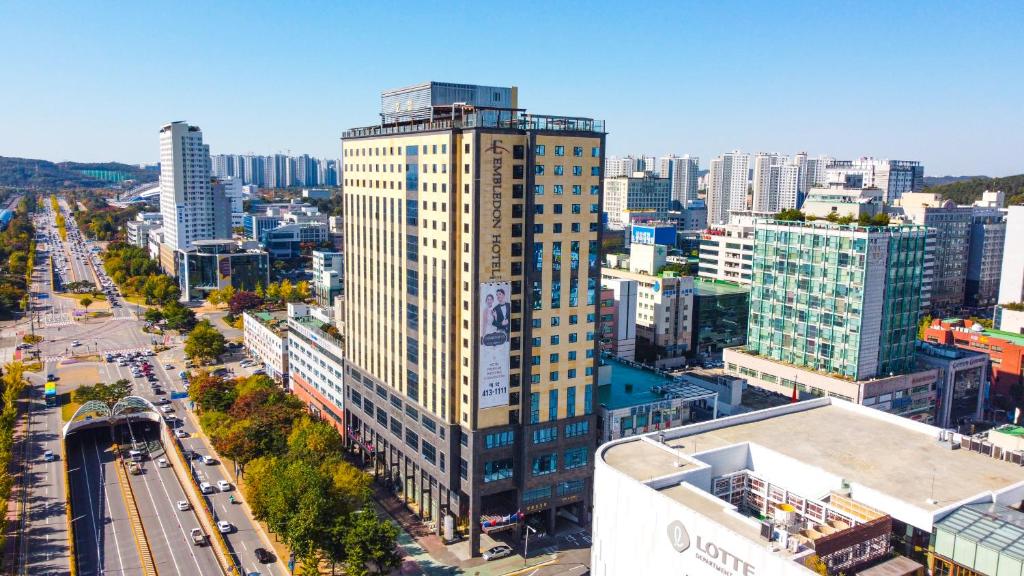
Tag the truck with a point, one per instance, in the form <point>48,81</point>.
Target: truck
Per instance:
<point>134,469</point>
<point>198,537</point>
<point>50,393</point>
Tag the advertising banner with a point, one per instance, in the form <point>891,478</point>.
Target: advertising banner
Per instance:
<point>493,354</point>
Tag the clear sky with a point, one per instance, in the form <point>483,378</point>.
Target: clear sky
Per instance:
<point>932,81</point>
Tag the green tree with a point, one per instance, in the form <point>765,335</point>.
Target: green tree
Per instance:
<point>86,302</point>
<point>212,393</point>
<point>922,326</point>
<point>370,545</point>
<point>178,317</point>
<point>204,342</point>
<point>791,215</point>
<point>153,315</point>
<point>109,394</point>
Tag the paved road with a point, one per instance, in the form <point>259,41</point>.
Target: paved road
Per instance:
<point>104,542</point>
<point>157,492</point>
<point>80,269</point>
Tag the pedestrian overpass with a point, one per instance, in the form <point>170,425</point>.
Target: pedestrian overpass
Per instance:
<point>96,414</point>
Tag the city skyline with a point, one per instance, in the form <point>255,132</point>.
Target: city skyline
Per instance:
<point>925,98</point>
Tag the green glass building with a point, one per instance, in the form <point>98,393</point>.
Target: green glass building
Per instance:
<point>840,299</point>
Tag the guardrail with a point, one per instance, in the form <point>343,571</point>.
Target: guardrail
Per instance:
<point>221,550</point>
<point>72,553</point>
<point>138,530</point>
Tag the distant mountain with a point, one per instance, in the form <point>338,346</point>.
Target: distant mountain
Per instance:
<point>967,191</point>
<point>43,174</point>
<point>939,180</point>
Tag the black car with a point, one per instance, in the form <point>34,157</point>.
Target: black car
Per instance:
<point>264,556</point>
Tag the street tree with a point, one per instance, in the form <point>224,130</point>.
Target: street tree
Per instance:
<point>86,302</point>
<point>370,545</point>
<point>204,342</point>
<point>244,300</point>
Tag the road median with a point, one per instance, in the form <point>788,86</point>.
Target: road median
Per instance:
<point>138,530</point>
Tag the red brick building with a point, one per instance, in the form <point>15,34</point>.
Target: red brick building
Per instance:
<point>1005,351</point>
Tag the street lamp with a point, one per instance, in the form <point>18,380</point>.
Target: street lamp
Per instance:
<point>526,547</point>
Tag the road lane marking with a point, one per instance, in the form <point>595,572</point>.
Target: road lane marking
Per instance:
<point>106,500</point>
<point>92,510</point>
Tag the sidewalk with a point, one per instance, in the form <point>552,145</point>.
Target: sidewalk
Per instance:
<point>423,552</point>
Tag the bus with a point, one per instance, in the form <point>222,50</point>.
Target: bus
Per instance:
<point>50,393</point>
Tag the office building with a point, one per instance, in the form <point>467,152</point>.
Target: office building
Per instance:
<point>186,197</point>
<point>231,189</point>
<point>618,317</point>
<point>137,230</point>
<point>214,264</point>
<point>664,315</point>
<point>265,336</point>
<point>1010,319</point>
<point>720,310</point>
<point>316,193</point>
<point>317,372</point>
<point>726,252</point>
<point>985,256</point>
<point>328,272</point>
<point>290,239</point>
<point>256,226</point>
<point>962,385</point>
<point>1005,351</point>
<point>640,194</point>
<point>470,333</point>
<point>842,201</point>
<point>1011,279</point>
<point>894,177</point>
<point>787,491</point>
<point>836,299</point>
<point>952,226</point>
<point>728,177</point>
<point>682,173</point>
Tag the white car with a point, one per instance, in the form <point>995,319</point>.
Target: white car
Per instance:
<point>183,505</point>
<point>167,409</point>
<point>162,462</point>
<point>223,485</point>
<point>180,433</point>
<point>224,526</point>
<point>206,487</point>
<point>207,460</point>
<point>48,456</point>
<point>75,343</point>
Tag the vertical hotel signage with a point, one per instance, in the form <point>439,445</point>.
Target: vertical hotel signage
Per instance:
<point>494,304</point>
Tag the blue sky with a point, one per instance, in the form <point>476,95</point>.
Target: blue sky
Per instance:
<point>938,82</point>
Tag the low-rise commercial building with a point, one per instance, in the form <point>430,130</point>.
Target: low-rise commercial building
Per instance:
<point>316,365</point>
<point>215,264</point>
<point>962,383</point>
<point>288,240</point>
<point>265,336</point>
<point>786,491</point>
<point>842,201</point>
<point>1005,352</point>
<point>634,400</point>
<point>910,394</point>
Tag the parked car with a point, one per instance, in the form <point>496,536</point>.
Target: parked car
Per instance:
<point>499,551</point>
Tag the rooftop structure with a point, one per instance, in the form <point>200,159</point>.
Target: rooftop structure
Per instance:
<point>855,478</point>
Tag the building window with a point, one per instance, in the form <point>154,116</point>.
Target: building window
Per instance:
<point>546,464</point>
<point>539,149</point>
<point>588,397</point>
<point>570,487</point>
<point>534,407</point>
<point>412,439</point>
<point>500,439</point>
<point>396,427</point>
<point>497,470</point>
<point>463,468</point>
<point>576,458</point>
<point>553,400</point>
<point>559,170</point>
<point>570,398</point>
<point>539,169</point>
<point>545,435</point>
<point>429,452</point>
<point>535,494</point>
<point>577,429</point>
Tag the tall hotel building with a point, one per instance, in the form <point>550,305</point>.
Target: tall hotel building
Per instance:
<point>472,232</point>
<point>186,196</point>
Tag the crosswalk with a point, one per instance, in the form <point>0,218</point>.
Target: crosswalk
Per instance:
<point>61,357</point>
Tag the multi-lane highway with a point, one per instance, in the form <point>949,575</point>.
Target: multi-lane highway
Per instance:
<point>104,542</point>
<point>104,539</point>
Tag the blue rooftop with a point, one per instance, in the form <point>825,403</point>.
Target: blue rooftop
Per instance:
<point>632,385</point>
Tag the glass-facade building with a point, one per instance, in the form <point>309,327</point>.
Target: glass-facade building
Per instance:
<point>840,299</point>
